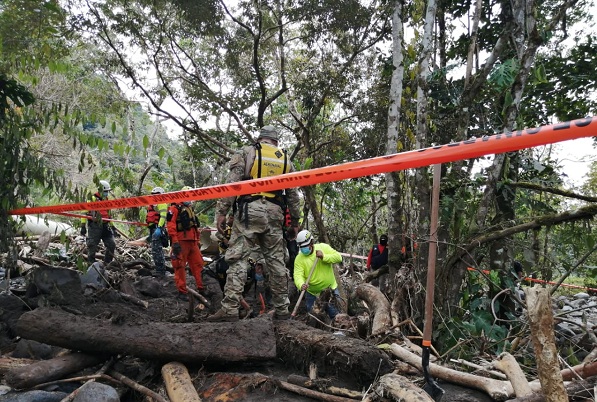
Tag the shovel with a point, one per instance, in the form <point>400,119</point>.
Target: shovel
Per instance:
<point>431,387</point>
<point>298,302</point>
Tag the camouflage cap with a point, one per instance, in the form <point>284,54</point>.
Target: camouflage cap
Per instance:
<point>269,132</point>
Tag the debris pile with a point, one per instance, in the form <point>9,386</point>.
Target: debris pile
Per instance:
<point>71,334</point>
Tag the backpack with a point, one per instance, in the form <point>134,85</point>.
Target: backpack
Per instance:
<point>265,160</point>
<point>186,218</point>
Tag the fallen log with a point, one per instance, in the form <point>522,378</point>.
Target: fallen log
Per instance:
<point>575,389</point>
<point>310,393</point>
<point>583,370</point>
<point>199,297</point>
<point>8,363</point>
<point>371,275</point>
<point>542,335</point>
<point>178,383</point>
<point>323,386</point>
<point>379,306</point>
<point>245,340</point>
<point>480,368</point>
<point>49,370</point>
<point>135,263</point>
<point>508,365</point>
<point>301,345</point>
<point>399,389</point>
<point>497,389</point>
<point>134,300</point>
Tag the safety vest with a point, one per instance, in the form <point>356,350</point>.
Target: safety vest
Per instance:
<point>269,161</point>
<point>154,214</point>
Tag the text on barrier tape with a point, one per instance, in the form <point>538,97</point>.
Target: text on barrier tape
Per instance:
<point>471,148</point>
<point>566,285</point>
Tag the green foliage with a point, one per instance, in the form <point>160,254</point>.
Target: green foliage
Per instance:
<point>561,84</point>
<point>475,331</point>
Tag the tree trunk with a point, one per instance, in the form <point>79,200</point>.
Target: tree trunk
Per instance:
<point>301,345</point>
<point>246,340</point>
<point>379,308</point>
<point>542,335</point>
<point>309,192</point>
<point>393,180</point>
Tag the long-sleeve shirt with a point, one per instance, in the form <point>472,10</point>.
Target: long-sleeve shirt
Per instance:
<point>323,275</point>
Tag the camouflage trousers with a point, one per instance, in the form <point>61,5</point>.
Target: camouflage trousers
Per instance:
<point>258,232</point>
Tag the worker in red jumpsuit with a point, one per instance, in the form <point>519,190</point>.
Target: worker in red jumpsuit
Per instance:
<point>184,231</point>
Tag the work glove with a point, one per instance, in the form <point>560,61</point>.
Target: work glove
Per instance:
<point>84,230</point>
<point>157,233</point>
<point>176,249</point>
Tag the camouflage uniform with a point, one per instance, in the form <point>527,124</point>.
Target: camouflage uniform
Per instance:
<point>98,231</point>
<point>257,229</point>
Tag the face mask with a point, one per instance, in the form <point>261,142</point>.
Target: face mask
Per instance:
<point>106,194</point>
<point>306,250</point>
<point>383,242</point>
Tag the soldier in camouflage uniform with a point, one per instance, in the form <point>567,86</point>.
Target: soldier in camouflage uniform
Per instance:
<point>257,227</point>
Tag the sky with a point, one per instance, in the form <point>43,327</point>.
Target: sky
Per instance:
<point>576,157</point>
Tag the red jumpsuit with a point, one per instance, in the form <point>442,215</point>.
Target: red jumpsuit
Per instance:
<point>188,239</point>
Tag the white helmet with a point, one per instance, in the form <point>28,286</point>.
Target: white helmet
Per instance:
<point>304,238</point>
<point>157,190</point>
<point>105,185</point>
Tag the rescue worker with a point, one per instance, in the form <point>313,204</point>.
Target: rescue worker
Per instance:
<point>378,255</point>
<point>98,229</point>
<point>184,231</point>
<point>156,222</point>
<point>323,273</point>
<point>258,222</point>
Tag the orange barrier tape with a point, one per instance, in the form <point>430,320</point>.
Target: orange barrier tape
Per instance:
<point>471,148</point>
<point>103,219</point>
<point>486,272</point>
